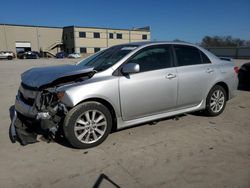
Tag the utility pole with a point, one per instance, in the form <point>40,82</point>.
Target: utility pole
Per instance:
<point>37,36</point>
<point>107,34</point>
<point>129,35</point>
<point>6,42</point>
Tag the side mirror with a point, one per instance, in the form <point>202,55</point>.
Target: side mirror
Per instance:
<point>131,68</point>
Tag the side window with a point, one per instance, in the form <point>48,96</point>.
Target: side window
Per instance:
<point>83,50</point>
<point>205,58</point>
<point>187,55</point>
<point>119,36</point>
<point>82,34</point>
<point>153,58</point>
<point>111,35</point>
<point>96,35</point>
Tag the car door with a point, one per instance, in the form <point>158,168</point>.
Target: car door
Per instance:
<point>154,88</point>
<point>195,73</point>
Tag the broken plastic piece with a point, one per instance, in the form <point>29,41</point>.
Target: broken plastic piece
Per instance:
<point>13,135</point>
<point>43,115</point>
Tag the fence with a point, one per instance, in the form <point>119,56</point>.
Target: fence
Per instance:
<point>232,52</point>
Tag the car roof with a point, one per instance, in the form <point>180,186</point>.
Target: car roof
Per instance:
<point>149,43</point>
<point>159,42</point>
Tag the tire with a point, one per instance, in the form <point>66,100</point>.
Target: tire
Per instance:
<point>82,130</point>
<point>216,101</point>
<point>9,58</point>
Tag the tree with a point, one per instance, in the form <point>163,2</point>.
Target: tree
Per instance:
<point>178,40</point>
<point>223,41</point>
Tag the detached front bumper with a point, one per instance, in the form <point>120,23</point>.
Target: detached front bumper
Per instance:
<point>24,109</point>
<point>13,134</point>
<point>19,131</point>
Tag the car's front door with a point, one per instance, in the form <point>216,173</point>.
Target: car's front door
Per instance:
<point>154,88</point>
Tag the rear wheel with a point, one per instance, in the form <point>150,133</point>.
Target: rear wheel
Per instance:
<point>9,57</point>
<point>87,125</point>
<point>216,101</point>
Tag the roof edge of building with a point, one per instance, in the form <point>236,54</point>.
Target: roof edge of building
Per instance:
<point>26,25</point>
<point>147,28</point>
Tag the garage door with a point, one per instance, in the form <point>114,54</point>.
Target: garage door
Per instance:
<point>23,46</point>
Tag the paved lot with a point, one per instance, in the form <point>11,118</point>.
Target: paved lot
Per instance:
<point>193,151</point>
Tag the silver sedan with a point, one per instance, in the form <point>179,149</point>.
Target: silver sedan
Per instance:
<point>126,85</point>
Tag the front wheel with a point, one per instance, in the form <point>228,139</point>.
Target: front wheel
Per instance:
<point>216,101</point>
<point>87,125</point>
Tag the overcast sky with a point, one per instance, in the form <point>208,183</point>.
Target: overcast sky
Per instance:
<point>188,20</point>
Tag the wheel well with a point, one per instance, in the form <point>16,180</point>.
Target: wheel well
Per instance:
<point>108,105</point>
<point>224,85</point>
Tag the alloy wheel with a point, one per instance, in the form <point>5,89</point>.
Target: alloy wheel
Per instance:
<point>217,101</point>
<point>90,126</point>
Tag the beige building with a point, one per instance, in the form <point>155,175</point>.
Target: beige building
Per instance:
<point>85,40</point>
<point>25,38</point>
<point>90,40</point>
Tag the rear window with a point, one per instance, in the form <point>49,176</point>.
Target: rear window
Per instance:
<point>187,55</point>
<point>205,58</point>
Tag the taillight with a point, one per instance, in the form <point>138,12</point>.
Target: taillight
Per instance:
<point>236,70</point>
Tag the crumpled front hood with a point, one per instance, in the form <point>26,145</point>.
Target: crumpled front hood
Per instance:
<point>37,77</point>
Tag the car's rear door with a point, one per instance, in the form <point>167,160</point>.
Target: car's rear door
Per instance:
<point>196,74</point>
<point>154,88</point>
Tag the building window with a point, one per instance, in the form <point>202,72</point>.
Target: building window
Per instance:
<point>119,36</point>
<point>144,37</point>
<point>111,35</point>
<point>66,37</point>
<point>96,35</point>
<point>97,49</point>
<point>82,34</point>
<point>83,50</point>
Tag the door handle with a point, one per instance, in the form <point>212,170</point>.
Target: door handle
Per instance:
<point>170,76</point>
<point>209,70</point>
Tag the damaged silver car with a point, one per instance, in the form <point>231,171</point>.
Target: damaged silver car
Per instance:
<point>122,86</point>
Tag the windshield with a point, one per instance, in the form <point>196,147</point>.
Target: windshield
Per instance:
<point>106,58</point>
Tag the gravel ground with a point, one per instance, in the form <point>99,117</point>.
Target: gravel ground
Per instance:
<point>194,151</point>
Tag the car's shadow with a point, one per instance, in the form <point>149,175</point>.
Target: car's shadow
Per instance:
<point>60,139</point>
<point>153,123</point>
